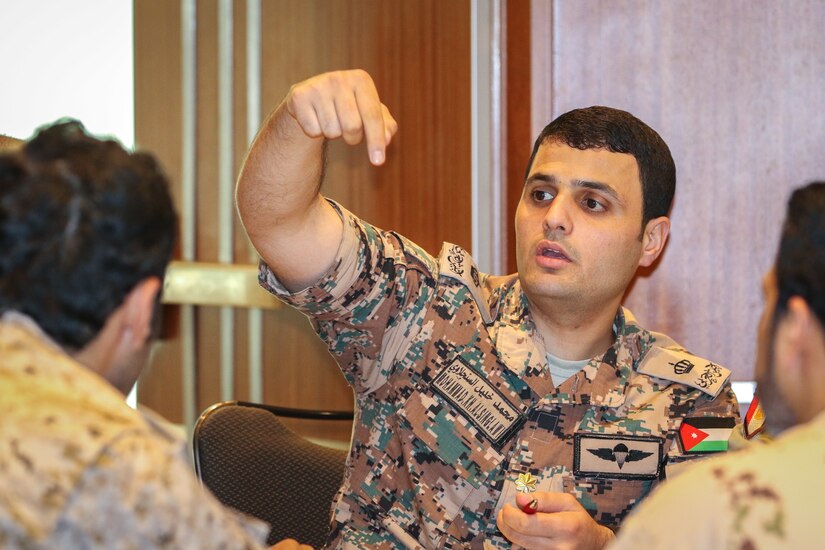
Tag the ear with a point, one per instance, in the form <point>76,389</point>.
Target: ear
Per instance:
<point>654,238</point>
<point>138,309</point>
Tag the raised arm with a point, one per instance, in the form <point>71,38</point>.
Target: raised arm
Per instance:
<point>293,228</point>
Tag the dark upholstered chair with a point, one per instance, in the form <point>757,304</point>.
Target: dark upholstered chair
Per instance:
<point>252,462</point>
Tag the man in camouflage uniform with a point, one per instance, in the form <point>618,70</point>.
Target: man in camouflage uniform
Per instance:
<point>473,392</point>
<point>86,230</point>
<point>765,495</point>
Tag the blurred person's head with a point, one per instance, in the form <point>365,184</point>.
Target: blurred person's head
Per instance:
<point>790,366</point>
<point>87,230</point>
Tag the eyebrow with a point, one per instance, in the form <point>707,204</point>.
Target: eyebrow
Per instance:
<point>586,184</point>
<point>542,178</point>
<point>599,186</point>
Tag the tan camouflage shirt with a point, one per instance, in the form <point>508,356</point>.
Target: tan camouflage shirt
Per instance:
<point>80,469</point>
<point>455,406</point>
<point>764,496</point>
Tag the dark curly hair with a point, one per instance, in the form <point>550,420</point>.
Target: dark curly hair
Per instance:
<point>618,131</point>
<point>82,221</point>
<point>800,262</point>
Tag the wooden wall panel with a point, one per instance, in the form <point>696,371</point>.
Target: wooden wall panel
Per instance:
<point>418,53</point>
<point>518,90</point>
<point>736,89</point>
<point>158,129</point>
<point>207,319</point>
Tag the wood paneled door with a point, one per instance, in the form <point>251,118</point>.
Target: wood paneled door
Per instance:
<point>206,74</point>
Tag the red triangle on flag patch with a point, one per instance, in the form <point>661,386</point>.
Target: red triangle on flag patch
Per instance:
<point>690,436</point>
<point>754,419</point>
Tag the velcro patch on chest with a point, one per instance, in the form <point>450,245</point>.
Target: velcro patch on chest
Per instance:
<point>706,434</point>
<point>478,401</point>
<point>617,456</point>
<point>685,368</point>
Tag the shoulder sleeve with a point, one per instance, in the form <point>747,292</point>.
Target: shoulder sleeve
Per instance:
<point>704,431</point>
<point>456,263</point>
<point>140,490</point>
<point>704,410</point>
<point>682,514</point>
<point>371,302</point>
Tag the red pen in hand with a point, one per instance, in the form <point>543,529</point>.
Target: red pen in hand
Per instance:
<point>531,507</point>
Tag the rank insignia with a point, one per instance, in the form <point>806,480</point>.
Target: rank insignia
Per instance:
<point>525,483</point>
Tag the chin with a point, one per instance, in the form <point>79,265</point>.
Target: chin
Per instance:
<point>544,289</point>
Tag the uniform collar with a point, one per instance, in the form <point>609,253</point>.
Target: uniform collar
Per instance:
<point>602,382</point>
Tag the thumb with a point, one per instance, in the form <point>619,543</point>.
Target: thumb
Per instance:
<point>549,502</point>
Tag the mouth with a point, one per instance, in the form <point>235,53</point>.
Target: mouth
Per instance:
<point>547,249</point>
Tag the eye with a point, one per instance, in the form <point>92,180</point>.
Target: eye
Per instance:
<point>541,195</point>
<point>594,205</point>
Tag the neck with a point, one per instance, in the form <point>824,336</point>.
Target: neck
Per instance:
<point>810,398</point>
<point>100,355</point>
<point>573,334</point>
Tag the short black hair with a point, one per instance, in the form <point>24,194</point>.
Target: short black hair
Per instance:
<point>82,222</point>
<point>800,261</point>
<point>618,131</point>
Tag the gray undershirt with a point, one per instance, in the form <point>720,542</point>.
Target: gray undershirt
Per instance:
<point>562,369</point>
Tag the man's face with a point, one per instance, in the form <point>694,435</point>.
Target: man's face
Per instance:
<point>771,384</point>
<point>578,225</point>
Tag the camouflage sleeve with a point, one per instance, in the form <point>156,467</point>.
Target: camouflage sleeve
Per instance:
<point>370,303</point>
<point>706,413</point>
<point>141,491</point>
<point>683,514</point>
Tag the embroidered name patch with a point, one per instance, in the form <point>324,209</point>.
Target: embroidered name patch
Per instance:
<point>479,401</point>
<point>617,456</point>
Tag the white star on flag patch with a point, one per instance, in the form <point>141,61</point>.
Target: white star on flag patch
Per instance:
<point>706,434</point>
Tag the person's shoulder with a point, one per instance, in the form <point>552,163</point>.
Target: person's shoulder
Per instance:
<point>456,267</point>
<point>667,360</point>
<point>682,513</point>
<point>394,245</point>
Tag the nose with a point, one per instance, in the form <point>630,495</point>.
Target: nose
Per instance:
<point>557,218</point>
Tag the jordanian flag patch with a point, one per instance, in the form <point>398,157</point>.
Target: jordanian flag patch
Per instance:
<point>706,434</point>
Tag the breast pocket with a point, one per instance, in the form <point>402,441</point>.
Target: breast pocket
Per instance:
<point>612,472</point>
<point>441,432</point>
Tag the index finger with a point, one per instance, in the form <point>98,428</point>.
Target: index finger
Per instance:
<point>372,115</point>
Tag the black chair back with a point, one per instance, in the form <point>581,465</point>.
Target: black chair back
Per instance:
<point>252,462</point>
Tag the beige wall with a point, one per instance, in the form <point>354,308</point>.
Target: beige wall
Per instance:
<point>736,90</point>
